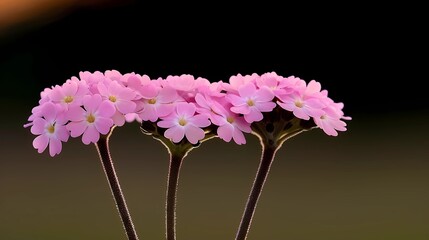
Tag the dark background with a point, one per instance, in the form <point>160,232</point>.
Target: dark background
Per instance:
<point>371,182</point>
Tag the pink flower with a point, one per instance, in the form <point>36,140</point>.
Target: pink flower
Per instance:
<point>91,121</point>
<point>158,103</point>
<point>330,122</point>
<point>49,125</point>
<point>121,97</point>
<point>208,106</point>
<point>251,102</point>
<point>236,82</point>
<point>305,102</point>
<point>183,122</point>
<point>69,94</point>
<point>231,126</point>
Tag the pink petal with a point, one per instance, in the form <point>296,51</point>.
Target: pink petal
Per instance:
<point>241,109</point>
<point>239,137</point>
<point>167,123</point>
<point>287,106</point>
<point>264,95</point>
<point>62,133</point>
<point>186,109</point>
<point>76,128</point>
<point>253,116</point>
<point>90,135</point>
<point>106,109</point>
<point>193,133</point>
<point>299,113</point>
<point>55,147</point>
<point>242,125</point>
<point>40,143</point>
<point>314,103</point>
<point>312,88</point>
<point>235,100</point>
<point>148,91</point>
<point>200,120</point>
<point>265,106</point>
<point>38,127</point>
<point>164,109</point>
<point>56,94</point>
<point>49,111</point>
<point>118,119</point>
<point>175,133</point>
<point>149,113</point>
<point>248,90</point>
<point>201,100</point>
<point>70,88</point>
<point>75,113</point>
<point>102,89</point>
<point>103,125</point>
<point>225,132</point>
<point>126,94</point>
<point>126,106</point>
<point>91,103</point>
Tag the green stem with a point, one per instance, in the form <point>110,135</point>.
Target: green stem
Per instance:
<point>109,169</point>
<point>268,153</point>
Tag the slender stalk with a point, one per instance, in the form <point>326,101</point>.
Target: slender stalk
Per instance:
<point>106,160</point>
<point>171,199</point>
<point>268,153</point>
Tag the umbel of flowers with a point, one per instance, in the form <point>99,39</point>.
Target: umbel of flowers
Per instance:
<point>181,112</point>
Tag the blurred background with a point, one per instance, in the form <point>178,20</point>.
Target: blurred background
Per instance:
<point>371,182</point>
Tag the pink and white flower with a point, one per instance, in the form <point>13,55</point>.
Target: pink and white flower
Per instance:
<point>251,102</point>
<point>92,120</point>
<point>69,94</point>
<point>49,125</point>
<point>184,122</point>
<point>304,102</point>
<point>121,97</point>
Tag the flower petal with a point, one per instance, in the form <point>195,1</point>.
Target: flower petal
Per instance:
<point>90,135</point>
<point>55,147</point>
<point>193,133</point>
<point>40,143</point>
<point>175,133</point>
<point>76,128</point>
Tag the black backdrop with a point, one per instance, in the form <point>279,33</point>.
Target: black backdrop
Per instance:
<point>366,57</point>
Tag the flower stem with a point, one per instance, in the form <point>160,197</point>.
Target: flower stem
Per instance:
<point>268,153</point>
<point>106,160</point>
<point>170,206</point>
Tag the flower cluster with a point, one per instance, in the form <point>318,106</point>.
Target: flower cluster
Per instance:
<point>183,105</point>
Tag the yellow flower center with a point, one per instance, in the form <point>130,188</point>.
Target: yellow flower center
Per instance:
<point>299,104</point>
<point>250,102</point>
<point>112,98</point>
<point>68,99</point>
<point>90,118</point>
<point>51,128</point>
<point>230,119</point>
<point>323,117</point>
<point>152,101</point>
<point>182,122</point>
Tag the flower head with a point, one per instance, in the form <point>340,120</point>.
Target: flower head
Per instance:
<point>184,122</point>
<point>91,120</point>
<point>49,126</point>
